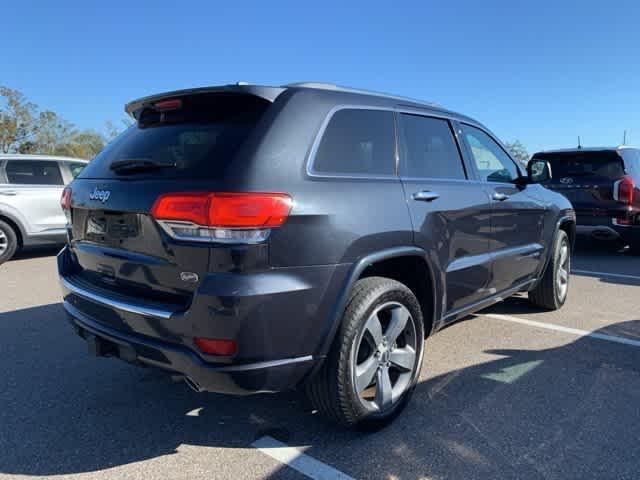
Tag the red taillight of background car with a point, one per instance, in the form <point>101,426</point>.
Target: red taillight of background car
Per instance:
<point>224,217</point>
<point>65,199</point>
<point>65,203</point>
<point>623,190</point>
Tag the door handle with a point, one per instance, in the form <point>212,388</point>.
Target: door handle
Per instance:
<point>9,193</point>
<point>500,197</point>
<point>426,196</point>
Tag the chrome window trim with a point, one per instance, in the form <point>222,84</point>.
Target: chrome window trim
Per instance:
<point>311,157</point>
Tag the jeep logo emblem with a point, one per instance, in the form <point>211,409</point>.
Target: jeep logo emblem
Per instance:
<point>102,195</point>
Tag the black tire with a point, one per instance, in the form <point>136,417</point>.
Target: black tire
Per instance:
<point>548,294</point>
<point>332,391</point>
<point>8,242</point>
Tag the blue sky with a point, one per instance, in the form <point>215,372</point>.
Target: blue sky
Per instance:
<point>542,72</point>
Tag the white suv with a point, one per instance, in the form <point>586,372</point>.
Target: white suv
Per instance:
<point>30,189</point>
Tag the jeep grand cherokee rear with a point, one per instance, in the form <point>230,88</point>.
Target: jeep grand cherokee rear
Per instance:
<point>264,238</point>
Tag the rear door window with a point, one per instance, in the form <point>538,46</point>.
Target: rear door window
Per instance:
<point>357,142</point>
<point>33,172</point>
<point>492,162</point>
<point>428,148</point>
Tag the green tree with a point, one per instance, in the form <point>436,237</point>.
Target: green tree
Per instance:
<point>18,122</point>
<point>84,144</point>
<point>51,132</point>
<point>519,151</point>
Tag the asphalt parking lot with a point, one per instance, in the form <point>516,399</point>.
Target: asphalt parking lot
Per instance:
<point>509,393</point>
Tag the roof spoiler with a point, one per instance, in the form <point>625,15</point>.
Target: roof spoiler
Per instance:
<point>267,93</point>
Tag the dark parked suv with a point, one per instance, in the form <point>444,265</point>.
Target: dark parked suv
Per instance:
<point>264,238</point>
<point>603,184</point>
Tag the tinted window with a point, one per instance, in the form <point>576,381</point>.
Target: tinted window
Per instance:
<point>428,148</point>
<point>198,140</point>
<point>601,164</point>
<point>75,168</point>
<point>33,172</point>
<point>492,162</point>
<point>357,142</point>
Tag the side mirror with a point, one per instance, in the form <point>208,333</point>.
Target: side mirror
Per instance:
<point>538,171</point>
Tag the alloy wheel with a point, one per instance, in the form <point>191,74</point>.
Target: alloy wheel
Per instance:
<point>562,275</point>
<point>384,357</point>
<point>4,242</point>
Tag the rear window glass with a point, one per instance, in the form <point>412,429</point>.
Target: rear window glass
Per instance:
<point>602,164</point>
<point>357,142</point>
<point>198,140</point>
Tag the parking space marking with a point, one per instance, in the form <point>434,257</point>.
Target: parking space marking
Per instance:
<point>605,274</point>
<point>297,460</point>
<point>560,328</point>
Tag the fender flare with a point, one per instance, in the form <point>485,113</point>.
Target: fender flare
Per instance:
<point>335,317</point>
<point>566,218</point>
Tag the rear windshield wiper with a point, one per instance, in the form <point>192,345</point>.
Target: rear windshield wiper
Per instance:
<point>138,165</point>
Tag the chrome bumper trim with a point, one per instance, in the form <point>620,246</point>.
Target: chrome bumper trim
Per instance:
<point>138,309</point>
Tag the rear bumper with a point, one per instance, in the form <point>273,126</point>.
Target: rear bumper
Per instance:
<point>279,323</point>
<point>605,228</point>
<point>244,379</point>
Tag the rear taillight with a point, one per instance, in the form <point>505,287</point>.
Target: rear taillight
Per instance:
<point>221,217</point>
<point>65,203</point>
<point>623,190</point>
<point>216,346</point>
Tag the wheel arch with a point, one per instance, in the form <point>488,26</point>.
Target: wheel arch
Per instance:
<point>370,265</point>
<point>566,223</point>
<point>16,225</point>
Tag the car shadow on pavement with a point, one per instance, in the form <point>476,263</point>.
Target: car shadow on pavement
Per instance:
<point>565,412</point>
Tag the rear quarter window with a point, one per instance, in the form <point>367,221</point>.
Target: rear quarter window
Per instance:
<point>632,163</point>
<point>357,142</point>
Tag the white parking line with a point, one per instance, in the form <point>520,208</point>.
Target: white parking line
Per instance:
<point>605,274</point>
<point>297,460</point>
<point>560,328</point>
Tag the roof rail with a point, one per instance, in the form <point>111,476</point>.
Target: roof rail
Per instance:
<point>337,88</point>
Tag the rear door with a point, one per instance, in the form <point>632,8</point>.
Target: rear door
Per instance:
<point>34,189</point>
<point>450,212</point>
<point>517,219</point>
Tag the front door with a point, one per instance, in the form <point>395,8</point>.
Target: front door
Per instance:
<point>517,220</point>
<point>450,213</point>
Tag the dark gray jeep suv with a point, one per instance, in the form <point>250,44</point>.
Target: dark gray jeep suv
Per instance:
<point>258,239</point>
